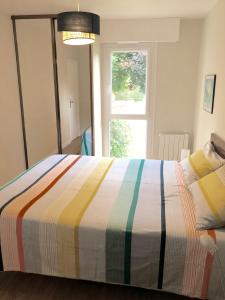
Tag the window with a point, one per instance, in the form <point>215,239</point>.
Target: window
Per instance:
<point>127,97</point>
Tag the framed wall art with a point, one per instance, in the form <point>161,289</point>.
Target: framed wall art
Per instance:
<point>209,93</point>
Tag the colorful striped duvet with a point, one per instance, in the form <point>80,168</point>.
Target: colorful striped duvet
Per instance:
<point>110,220</point>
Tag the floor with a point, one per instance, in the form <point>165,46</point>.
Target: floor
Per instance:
<point>19,286</point>
<point>74,147</point>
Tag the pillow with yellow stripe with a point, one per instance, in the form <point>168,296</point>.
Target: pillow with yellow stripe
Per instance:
<point>209,198</point>
<point>201,163</point>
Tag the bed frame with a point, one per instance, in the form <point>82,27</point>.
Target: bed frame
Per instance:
<point>219,144</point>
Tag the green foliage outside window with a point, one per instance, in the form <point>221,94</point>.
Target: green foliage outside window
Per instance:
<point>128,83</point>
<point>128,75</point>
<point>120,135</point>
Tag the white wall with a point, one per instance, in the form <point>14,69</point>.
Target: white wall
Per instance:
<point>11,145</point>
<point>177,71</point>
<point>212,62</point>
<point>140,30</point>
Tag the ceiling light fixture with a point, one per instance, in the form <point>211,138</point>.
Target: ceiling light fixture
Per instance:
<point>78,28</point>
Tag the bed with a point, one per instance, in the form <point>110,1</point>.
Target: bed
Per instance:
<point>121,221</point>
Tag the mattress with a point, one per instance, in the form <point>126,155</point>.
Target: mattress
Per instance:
<point>122,221</point>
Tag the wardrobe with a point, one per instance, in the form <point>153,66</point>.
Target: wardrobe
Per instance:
<point>55,89</point>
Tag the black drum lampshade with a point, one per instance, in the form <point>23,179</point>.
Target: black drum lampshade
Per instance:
<point>79,28</point>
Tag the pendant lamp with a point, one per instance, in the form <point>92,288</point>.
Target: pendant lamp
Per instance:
<point>78,28</point>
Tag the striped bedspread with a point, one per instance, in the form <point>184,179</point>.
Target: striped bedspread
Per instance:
<point>110,220</point>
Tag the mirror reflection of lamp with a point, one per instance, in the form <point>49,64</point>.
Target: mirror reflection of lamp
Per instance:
<point>78,28</point>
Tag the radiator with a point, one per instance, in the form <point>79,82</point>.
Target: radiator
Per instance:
<point>170,145</point>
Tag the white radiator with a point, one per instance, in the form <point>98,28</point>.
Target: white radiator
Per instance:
<point>170,145</point>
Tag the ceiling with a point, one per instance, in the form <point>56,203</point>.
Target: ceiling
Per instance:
<point>113,9</point>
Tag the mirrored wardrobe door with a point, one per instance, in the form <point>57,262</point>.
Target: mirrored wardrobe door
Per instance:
<point>37,83</point>
<point>73,64</point>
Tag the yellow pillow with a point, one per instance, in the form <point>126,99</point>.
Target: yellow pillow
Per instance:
<point>201,163</point>
<point>209,198</point>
